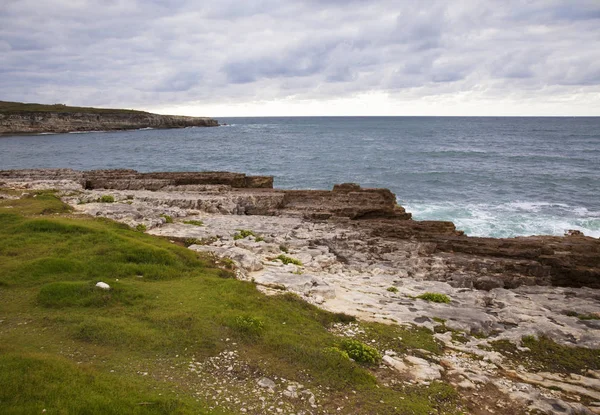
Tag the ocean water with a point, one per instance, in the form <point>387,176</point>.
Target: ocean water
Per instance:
<point>491,176</point>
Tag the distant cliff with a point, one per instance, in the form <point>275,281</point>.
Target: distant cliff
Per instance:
<point>19,118</point>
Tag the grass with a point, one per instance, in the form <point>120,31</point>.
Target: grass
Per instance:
<point>244,233</point>
<point>194,222</point>
<point>168,219</point>
<point>57,385</point>
<point>289,260</point>
<point>582,316</point>
<point>546,355</point>
<point>106,199</point>
<point>434,297</point>
<point>7,107</point>
<point>392,289</point>
<point>68,347</point>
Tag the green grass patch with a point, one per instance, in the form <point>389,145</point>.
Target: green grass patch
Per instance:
<point>582,316</point>
<point>289,260</point>
<point>168,219</point>
<point>248,326</point>
<point>392,289</point>
<point>37,203</point>
<point>85,294</point>
<point>140,227</point>
<point>57,385</point>
<point>401,338</point>
<point>106,199</point>
<point>194,222</point>
<point>434,297</point>
<point>244,233</point>
<point>7,107</point>
<point>546,355</point>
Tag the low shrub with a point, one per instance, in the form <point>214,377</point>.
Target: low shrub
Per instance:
<point>168,219</point>
<point>106,199</point>
<point>392,289</point>
<point>243,233</point>
<point>337,351</point>
<point>360,352</point>
<point>192,241</point>
<point>140,227</point>
<point>435,297</point>
<point>288,260</point>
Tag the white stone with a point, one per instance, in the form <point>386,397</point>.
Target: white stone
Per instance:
<point>266,383</point>
<point>103,285</point>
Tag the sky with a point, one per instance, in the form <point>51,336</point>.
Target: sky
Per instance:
<point>309,57</point>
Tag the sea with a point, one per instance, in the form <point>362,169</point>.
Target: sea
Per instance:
<point>491,176</point>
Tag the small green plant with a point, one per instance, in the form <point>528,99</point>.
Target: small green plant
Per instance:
<point>168,219</point>
<point>298,272</point>
<point>106,199</point>
<point>392,289</point>
<point>572,313</point>
<point>288,260</point>
<point>192,241</point>
<point>248,326</point>
<point>244,233</point>
<point>360,352</point>
<point>336,351</point>
<point>228,263</point>
<point>284,248</point>
<point>140,227</point>
<point>194,222</point>
<point>434,297</point>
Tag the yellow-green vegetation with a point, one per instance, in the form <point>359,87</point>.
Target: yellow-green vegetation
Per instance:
<point>434,297</point>
<point>546,355</point>
<point>244,233</point>
<point>168,219</point>
<point>68,347</point>
<point>194,222</point>
<point>289,260</point>
<point>582,316</point>
<point>392,289</point>
<point>360,352</point>
<point>7,107</point>
<point>140,227</point>
<point>106,199</point>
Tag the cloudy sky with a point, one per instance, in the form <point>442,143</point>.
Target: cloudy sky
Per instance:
<point>310,57</point>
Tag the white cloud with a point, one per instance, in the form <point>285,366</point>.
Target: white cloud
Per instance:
<point>381,57</point>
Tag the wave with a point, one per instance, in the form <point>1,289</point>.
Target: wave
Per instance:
<point>86,132</point>
<point>511,219</point>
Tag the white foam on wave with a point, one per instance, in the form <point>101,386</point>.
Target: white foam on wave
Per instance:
<point>510,219</point>
<point>86,132</point>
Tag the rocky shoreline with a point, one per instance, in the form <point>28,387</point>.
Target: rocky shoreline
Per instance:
<point>35,122</point>
<point>355,251</point>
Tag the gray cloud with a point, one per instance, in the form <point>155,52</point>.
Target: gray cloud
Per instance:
<point>136,53</point>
